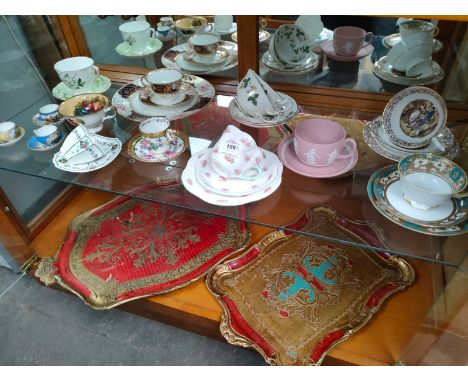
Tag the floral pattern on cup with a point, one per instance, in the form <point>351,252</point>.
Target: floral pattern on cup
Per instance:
<point>291,44</point>
<point>8,131</point>
<point>77,72</point>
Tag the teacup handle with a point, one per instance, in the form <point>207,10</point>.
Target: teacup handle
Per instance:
<point>112,110</point>
<point>210,28</point>
<point>435,32</point>
<point>348,142</point>
<point>96,70</point>
<point>371,37</point>
<point>462,200</point>
<point>171,137</point>
<point>152,32</point>
<point>438,144</point>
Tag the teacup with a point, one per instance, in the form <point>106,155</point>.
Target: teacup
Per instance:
<point>291,45</point>
<point>165,83</point>
<point>49,113</point>
<point>90,110</point>
<point>223,23</point>
<point>166,21</point>
<point>76,142</point>
<point>205,46</point>
<point>348,41</point>
<point>236,155</point>
<point>430,180</point>
<point>137,33</point>
<point>47,135</point>
<point>189,26</point>
<point>77,72</point>
<point>164,30</point>
<point>156,127</point>
<point>409,27</point>
<point>319,142</point>
<point>8,131</point>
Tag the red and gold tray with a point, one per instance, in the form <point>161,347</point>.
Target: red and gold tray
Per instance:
<point>129,248</point>
<point>293,297</point>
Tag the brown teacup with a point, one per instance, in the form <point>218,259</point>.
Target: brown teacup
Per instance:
<point>163,81</point>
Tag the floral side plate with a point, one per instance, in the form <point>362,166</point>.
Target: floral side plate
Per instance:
<point>121,99</point>
<point>63,92</point>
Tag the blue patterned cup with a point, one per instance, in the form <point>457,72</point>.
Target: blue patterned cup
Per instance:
<point>47,135</point>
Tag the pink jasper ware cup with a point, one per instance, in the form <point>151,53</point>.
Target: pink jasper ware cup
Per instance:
<point>319,142</point>
<point>348,41</point>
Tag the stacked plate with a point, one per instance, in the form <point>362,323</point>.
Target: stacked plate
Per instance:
<point>234,172</point>
<point>83,151</point>
<point>413,122</point>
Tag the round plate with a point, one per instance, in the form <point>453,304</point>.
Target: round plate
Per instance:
<point>277,67</point>
<point>287,155</point>
<point>390,41</point>
<point>121,99</point>
<point>328,49</point>
<point>262,36</point>
<point>124,49</point>
<point>246,119</point>
<point>413,116</point>
<point>373,138</point>
<point>377,192</point>
<point>34,145</point>
<point>190,182</point>
<point>140,148</point>
<point>170,56</point>
<point>380,71</point>
<point>63,92</point>
<point>19,134</point>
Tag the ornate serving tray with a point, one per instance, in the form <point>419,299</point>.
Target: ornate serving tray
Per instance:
<point>128,249</point>
<point>293,298</point>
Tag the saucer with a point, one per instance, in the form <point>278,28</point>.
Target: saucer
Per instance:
<point>263,36</point>
<point>191,184</point>
<point>157,150</point>
<point>173,59</point>
<point>238,114</point>
<point>124,49</point>
<point>128,105</point>
<point>170,35</point>
<point>63,92</point>
<point>220,56</point>
<point>234,186</point>
<point>376,139</point>
<point>328,49</point>
<point>35,145</point>
<point>19,134</point>
<point>157,100</point>
<point>393,39</point>
<point>385,193</point>
<point>37,122</point>
<point>276,66</point>
<point>221,32</point>
<point>381,71</point>
<point>287,155</point>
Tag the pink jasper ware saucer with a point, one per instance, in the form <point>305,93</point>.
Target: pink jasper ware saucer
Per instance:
<point>288,157</point>
<point>327,48</point>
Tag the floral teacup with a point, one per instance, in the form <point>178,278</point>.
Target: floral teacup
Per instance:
<point>77,72</point>
<point>157,127</point>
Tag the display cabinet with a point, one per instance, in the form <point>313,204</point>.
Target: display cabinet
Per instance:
<point>421,322</point>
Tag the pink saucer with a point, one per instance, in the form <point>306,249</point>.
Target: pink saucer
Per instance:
<point>327,48</point>
<point>288,157</point>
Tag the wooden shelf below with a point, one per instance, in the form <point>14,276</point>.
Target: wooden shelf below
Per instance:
<point>380,342</point>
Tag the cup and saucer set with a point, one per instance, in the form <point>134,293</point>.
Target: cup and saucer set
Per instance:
<point>413,122</point>
<point>203,53</point>
<point>156,142</point>
<point>10,133</point>
<point>224,24</point>
<point>79,75</point>
<point>318,148</point>
<point>139,40</point>
<point>349,44</point>
<point>290,51</point>
<point>234,172</point>
<point>409,62</point>
<point>45,138</point>
<point>256,104</point>
<point>165,29</point>
<point>83,151</point>
<point>48,115</point>
<point>422,193</point>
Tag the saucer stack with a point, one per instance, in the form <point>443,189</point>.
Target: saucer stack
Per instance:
<point>290,51</point>
<point>258,105</point>
<point>234,172</point>
<point>83,151</point>
<point>413,122</point>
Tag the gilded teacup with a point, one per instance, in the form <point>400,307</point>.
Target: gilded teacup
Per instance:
<point>8,131</point>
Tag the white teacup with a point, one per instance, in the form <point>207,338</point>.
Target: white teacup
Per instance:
<point>223,23</point>
<point>76,142</point>
<point>409,27</point>
<point>156,127</point>
<point>137,33</point>
<point>429,181</point>
<point>49,113</point>
<point>167,21</point>
<point>8,131</point>
<point>406,54</point>
<point>77,72</point>
<point>47,135</point>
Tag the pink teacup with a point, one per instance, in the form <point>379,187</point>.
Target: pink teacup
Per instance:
<point>319,142</point>
<point>348,41</point>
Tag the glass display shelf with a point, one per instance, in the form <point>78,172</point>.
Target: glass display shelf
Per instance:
<point>346,194</point>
